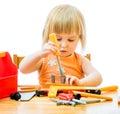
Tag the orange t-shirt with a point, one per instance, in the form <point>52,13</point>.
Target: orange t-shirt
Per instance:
<point>71,66</point>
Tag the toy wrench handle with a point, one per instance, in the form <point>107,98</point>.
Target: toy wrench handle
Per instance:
<point>53,39</point>
<point>109,88</point>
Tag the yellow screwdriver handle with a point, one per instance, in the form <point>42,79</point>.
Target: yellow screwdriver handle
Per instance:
<point>53,39</point>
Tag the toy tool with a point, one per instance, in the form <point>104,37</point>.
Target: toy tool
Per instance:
<point>79,101</point>
<point>28,88</point>
<point>63,102</point>
<point>53,89</point>
<point>83,94</point>
<point>52,38</point>
<point>109,88</point>
<point>22,96</point>
<point>26,96</point>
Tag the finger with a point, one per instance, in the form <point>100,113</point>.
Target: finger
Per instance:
<point>51,43</point>
<point>67,80</point>
<point>50,48</point>
<point>72,81</point>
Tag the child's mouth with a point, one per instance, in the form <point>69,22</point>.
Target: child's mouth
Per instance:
<point>63,51</point>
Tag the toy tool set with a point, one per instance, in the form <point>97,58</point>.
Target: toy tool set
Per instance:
<point>66,94</point>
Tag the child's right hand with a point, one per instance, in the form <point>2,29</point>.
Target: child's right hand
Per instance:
<point>49,47</point>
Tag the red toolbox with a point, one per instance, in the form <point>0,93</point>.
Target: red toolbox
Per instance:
<point>8,75</point>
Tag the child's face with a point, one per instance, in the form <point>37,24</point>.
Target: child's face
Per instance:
<point>67,43</point>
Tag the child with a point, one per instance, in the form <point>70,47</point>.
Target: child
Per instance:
<point>67,23</point>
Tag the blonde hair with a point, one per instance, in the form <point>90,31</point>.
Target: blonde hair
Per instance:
<point>65,19</point>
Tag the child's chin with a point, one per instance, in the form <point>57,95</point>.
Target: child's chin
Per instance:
<point>65,55</point>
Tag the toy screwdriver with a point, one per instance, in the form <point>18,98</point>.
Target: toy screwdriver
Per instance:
<point>52,38</point>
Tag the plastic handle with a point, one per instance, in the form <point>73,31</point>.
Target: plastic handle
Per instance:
<point>93,95</point>
<point>53,39</point>
<point>109,88</point>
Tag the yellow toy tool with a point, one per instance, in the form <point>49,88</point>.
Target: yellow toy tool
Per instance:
<point>83,94</point>
<point>53,90</point>
<point>52,38</point>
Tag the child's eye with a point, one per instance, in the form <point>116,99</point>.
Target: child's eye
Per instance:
<point>70,40</point>
<point>59,39</point>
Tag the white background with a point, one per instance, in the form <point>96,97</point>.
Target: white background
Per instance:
<point>22,21</point>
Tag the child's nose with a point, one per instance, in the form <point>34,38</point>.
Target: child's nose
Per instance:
<point>64,44</point>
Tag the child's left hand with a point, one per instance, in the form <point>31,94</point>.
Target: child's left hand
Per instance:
<point>72,80</point>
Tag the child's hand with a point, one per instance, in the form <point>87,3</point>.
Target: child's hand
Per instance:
<point>49,47</point>
<point>72,80</point>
